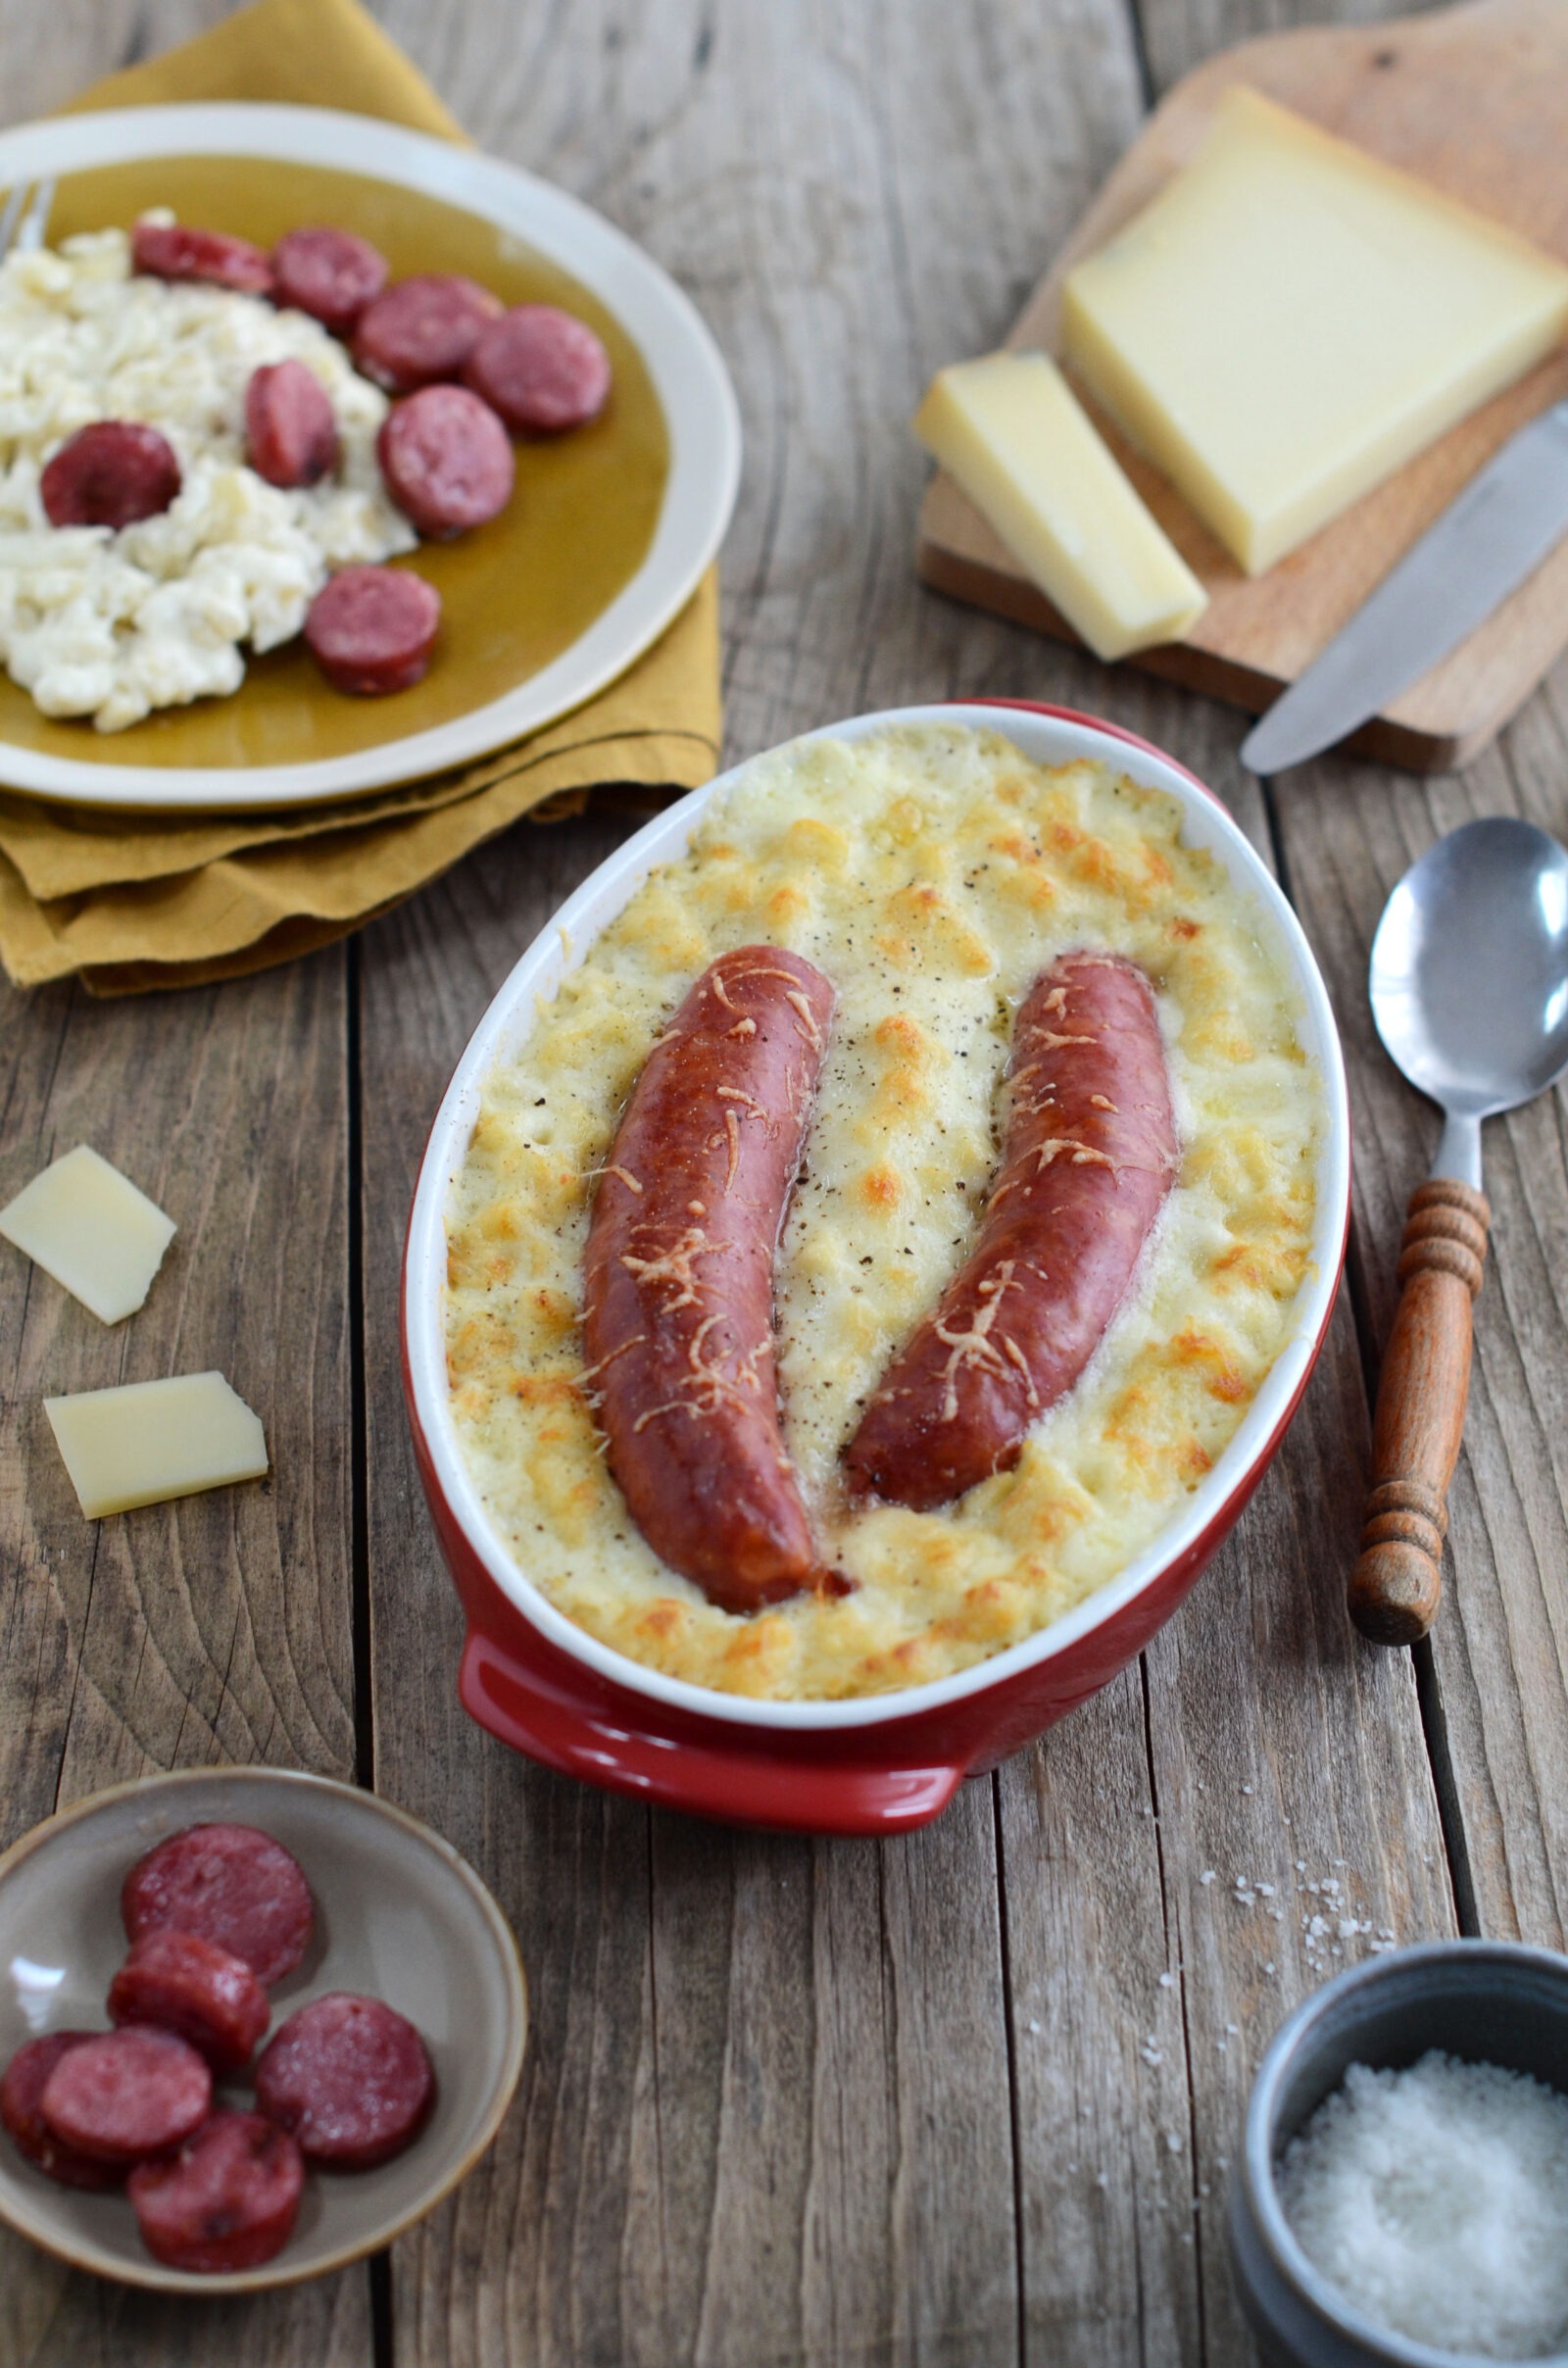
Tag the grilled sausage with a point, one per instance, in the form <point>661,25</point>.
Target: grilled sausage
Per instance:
<point>176,1981</point>
<point>227,2200</point>
<point>446,460</point>
<point>372,630</point>
<point>422,329</point>
<point>349,2077</point>
<point>680,1277</point>
<point>290,431</point>
<point>125,2094</point>
<point>110,473</point>
<point>1089,1157</point>
<point>27,2076</point>
<point>332,274</point>
<point>542,370</point>
<point>233,1884</point>
<point>177,251</point>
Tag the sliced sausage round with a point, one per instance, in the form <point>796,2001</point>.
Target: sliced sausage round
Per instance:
<point>110,473</point>
<point>372,630</point>
<point>179,1982</point>
<point>350,2077</point>
<point>290,432</point>
<point>21,2090</point>
<point>1089,1154</point>
<point>543,369</point>
<point>446,460</point>
<point>227,2200</point>
<point>177,251</point>
<point>328,273</point>
<point>127,2094</point>
<point>422,329</point>
<point>678,1278</point>
<point>230,1884</point>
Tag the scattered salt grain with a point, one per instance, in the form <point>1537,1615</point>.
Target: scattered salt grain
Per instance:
<point>1436,2200</point>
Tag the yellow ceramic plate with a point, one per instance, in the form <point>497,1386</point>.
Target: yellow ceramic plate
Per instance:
<point>604,538</point>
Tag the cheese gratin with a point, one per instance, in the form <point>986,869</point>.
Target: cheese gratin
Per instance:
<point>932,872</point>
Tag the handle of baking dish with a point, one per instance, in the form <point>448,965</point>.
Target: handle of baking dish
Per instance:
<point>747,1782</point>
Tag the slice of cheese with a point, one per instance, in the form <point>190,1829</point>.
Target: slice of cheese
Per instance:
<point>1014,435</point>
<point>90,1228</point>
<point>152,1440</point>
<point>1290,319</point>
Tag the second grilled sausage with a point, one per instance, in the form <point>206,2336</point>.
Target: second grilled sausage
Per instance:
<point>1089,1157</point>
<point>680,1277</point>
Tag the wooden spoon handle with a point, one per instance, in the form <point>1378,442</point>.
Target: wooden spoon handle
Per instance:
<point>1420,1414</point>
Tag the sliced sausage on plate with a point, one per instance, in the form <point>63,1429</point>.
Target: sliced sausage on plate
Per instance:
<point>110,473</point>
<point>231,1884</point>
<point>329,273</point>
<point>21,2090</point>
<point>179,251</point>
<point>350,2077</point>
<point>372,630</point>
<point>291,433</point>
<point>446,460</point>
<point>126,2094</point>
<point>422,329</point>
<point>179,1982</point>
<point>227,2200</point>
<point>543,369</point>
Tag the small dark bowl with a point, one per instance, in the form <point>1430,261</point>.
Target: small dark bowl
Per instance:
<point>1488,2002</point>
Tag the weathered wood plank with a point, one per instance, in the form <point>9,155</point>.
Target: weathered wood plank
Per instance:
<point>1501,1641</point>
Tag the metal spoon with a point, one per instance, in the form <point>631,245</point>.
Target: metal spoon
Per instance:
<point>1469,986</point>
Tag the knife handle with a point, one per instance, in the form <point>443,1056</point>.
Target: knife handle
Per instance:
<point>1420,1414</point>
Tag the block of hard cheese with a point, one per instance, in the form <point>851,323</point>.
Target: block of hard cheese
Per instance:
<point>1010,430</point>
<point>1290,319</point>
<point>89,1227</point>
<point>152,1440</point>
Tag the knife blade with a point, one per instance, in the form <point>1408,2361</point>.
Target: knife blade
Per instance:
<point>1488,540</point>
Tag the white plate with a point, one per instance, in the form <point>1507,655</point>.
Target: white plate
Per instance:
<point>681,358</point>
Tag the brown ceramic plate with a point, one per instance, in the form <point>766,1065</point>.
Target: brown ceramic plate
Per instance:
<point>399,1917</point>
<point>606,536</point>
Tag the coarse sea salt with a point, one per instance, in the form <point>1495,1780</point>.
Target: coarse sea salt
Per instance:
<point>1436,2198</point>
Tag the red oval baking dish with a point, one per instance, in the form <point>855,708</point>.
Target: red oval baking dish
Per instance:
<point>889,1761</point>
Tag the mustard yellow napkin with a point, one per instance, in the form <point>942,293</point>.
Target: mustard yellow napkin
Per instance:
<point>130,903</point>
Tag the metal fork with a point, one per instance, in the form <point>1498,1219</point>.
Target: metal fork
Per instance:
<point>25,217</point>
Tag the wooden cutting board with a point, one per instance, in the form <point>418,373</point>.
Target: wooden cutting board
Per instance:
<point>1475,101</point>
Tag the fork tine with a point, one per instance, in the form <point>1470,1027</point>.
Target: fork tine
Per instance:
<point>15,199</point>
<point>35,221</point>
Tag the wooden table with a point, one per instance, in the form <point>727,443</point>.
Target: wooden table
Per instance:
<point>965,2098</point>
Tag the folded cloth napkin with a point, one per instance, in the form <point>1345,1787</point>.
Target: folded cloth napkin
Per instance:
<point>136,902</point>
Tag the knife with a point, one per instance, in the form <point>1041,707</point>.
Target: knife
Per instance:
<point>1484,545</point>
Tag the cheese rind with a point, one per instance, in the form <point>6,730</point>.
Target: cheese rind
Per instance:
<point>88,1226</point>
<point>1291,319</point>
<point>1010,430</point>
<point>152,1440</point>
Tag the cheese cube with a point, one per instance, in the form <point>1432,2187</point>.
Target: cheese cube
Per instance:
<point>88,1226</point>
<point>152,1440</point>
<point>1291,319</point>
<point>1015,437</point>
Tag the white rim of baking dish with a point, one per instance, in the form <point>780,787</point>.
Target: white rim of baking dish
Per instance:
<point>561,947</point>
<point>676,346</point>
